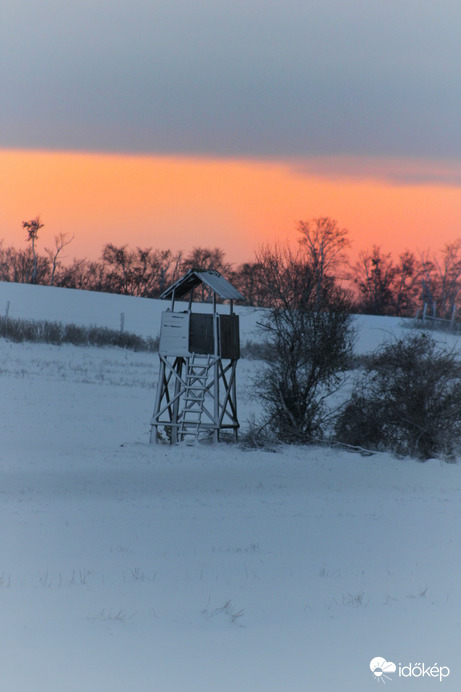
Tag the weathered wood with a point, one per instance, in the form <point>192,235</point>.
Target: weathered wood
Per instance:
<point>174,334</point>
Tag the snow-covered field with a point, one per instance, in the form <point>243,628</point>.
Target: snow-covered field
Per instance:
<point>142,315</point>
<point>126,567</point>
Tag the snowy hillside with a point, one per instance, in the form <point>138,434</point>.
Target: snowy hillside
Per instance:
<point>127,567</point>
<point>142,315</point>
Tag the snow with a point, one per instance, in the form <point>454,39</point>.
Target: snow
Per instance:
<point>128,566</point>
<point>67,305</point>
<point>142,315</point>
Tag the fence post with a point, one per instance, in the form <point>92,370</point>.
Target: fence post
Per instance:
<point>7,312</point>
<point>122,322</point>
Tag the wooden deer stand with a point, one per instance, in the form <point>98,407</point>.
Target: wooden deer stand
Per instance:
<point>198,351</point>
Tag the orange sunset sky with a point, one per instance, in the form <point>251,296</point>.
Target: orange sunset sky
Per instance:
<point>216,123</point>
<point>180,202</point>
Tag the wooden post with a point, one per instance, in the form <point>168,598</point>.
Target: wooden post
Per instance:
<point>234,398</point>
<point>7,312</point>
<point>158,398</point>
<point>177,387</point>
<point>216,370</point>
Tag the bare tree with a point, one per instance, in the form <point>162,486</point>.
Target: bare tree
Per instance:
<point>119,261</point>
<point>32,227</point>
<point>18,266</point>
<point>373,274</point>
<point>84,275</point>
<point>406,284</point>
<point>309,339</point>
<point>150,271</point>
<point>142,272</point>
<point>249,279</point>
<point>428,280</point>
<point>448,270</point>
<point>60,242</point>
<point>201,258</point>
<point>206,258</point>
<point>324,243</point>
<point>176,262</point>
<point>441,279</point>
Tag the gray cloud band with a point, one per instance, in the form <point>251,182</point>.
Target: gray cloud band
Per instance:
<point>246,79</point>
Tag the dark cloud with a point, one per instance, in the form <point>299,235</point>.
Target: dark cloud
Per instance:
<point>402,171</point>
<point>213,77</point>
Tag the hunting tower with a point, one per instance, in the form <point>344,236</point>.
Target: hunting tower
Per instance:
<point>198,351</point>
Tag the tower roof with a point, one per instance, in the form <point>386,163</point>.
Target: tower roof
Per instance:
<point>210,277</point>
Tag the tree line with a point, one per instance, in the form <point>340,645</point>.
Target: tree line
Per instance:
<point>405,397</point>
<point>378,283</point>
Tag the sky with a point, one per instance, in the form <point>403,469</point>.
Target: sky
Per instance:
<point>208,122</point>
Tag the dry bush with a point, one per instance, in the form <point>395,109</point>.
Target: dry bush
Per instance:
<point>308,343</point>
<point>408,400</point>
<point>44,331</point>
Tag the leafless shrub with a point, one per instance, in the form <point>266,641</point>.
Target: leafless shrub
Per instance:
<point>257,435</point>
<point>408,400</point>
<point>44,331</point>
<point>309,337</point>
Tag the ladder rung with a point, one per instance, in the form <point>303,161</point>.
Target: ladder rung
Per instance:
<point>196,378</point>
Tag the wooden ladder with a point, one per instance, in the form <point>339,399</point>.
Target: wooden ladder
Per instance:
<point>196,379</point>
